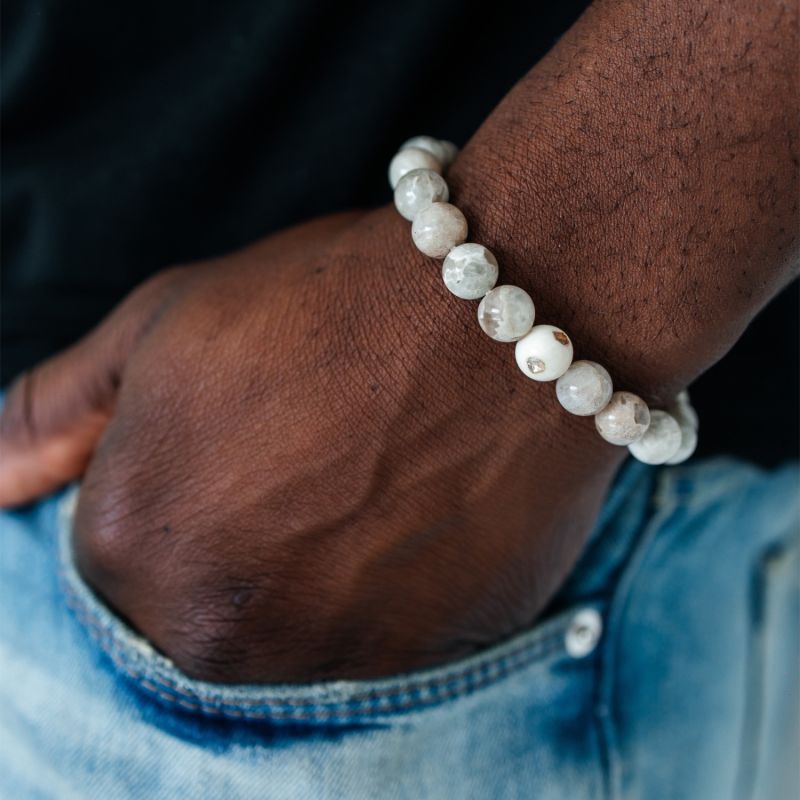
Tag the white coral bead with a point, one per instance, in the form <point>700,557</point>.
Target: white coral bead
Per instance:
<point>545,353</point>
<point>660,441</point>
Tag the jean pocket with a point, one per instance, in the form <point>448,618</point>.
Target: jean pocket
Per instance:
<point>567,638</point>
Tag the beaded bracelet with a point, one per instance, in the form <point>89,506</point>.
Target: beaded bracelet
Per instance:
<point>506,314</point>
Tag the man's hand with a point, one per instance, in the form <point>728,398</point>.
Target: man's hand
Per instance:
<point>305,460</point>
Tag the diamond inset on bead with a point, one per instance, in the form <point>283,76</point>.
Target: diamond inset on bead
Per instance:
<point>535,365</point>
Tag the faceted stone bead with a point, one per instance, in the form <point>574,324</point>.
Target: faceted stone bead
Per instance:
<point>585,388</point>
<point>506,313</point>
<point>439,228</point>
<point>417,189</point>
<point>469,271</point>
<point>411,158</point>
<point>660,441</point>
<point>545,353</point>
<point>443,152</point>
<point>624,419</point>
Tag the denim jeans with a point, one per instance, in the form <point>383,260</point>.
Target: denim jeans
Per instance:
<point>666,668</point>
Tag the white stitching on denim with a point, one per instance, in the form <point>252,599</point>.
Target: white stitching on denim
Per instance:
<point>301,709</point>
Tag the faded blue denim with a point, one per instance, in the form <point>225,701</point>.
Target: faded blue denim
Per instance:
<point>689,691</point>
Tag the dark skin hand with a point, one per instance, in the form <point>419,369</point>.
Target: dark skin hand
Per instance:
<point>305,460</point>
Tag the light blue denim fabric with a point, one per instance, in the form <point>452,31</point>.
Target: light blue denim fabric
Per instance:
<point>689,691</point>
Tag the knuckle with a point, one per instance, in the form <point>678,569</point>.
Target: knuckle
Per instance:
<point>110,526</point>
<point>103,545</point>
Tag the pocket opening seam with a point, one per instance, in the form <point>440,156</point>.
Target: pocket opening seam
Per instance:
<point>372,703</point>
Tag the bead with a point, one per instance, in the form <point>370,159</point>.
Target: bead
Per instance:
<point>443,152</point>
<point>417,190</point>
<point>545,353</point>
<point>688,444</point>
<point>469,271</point>
<point>686,416</point>
<point>411,158</point>
<point>437,229</point>
<point>450,152</point>
<point>660,441</point>
<point>506,313</point>
<point>684,407</point>
<point>585,388</point>
<point>624,419</point>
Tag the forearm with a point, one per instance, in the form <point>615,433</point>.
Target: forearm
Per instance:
<point>641,181</point>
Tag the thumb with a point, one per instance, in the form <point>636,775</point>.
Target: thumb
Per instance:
<point>54,414</point>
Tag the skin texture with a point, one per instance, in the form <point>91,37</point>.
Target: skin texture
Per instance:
<point>305,461</point>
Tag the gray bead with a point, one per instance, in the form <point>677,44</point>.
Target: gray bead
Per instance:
<point>437,229</point>
<point>408,159</point>
<point>585,388</point>
<point>418,189</point>
<point>469,271</point>
<point>506,313</point>
<point>624,419</point>
<point>660,441</point>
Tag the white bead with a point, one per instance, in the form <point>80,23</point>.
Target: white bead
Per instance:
<point>417,190</point>
<point>688,444</point>
<point>545,353</point>
<point>450,152</point>
<point>437,229</point>
<point>660,441</point>
<point>624,419</point>
<point>686,416</point>
<point>585,388</point>
<point>506,313</point>
<point>469,271</point>
<point>684,407</point>
<point>443,152</point>
<point>411,158</point>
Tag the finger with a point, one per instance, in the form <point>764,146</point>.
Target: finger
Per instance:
<point>55,413</point>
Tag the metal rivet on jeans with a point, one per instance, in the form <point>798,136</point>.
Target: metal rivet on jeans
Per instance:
<point>583,633</point>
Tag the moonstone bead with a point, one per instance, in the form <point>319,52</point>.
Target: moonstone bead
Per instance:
<point>437,229</point>
<point>417,190</point>
<point>411,158</point>
<point>545,353</point>
<point>585,388</point>
<point>624,419</point>
<point>469,271</point>
<point>443,152</point>
<point>660,441</point>
<point>506,313</point>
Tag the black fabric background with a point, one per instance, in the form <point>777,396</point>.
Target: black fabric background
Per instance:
<point>136,136</point>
